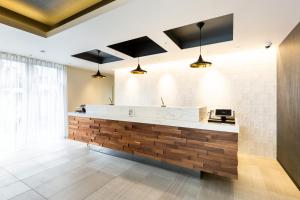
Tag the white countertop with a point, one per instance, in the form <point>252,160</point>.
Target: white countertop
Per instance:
<point>154,112</point>
<point>167,122</point>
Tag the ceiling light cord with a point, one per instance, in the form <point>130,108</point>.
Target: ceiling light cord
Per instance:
<point>98,59</point>
<point>200,39</point>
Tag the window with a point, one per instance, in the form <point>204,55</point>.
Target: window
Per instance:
<point>32,102</point>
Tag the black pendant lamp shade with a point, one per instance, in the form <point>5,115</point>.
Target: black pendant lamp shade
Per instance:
<point>138,70</point>
<point>200,63</point>
<point>98,74</point>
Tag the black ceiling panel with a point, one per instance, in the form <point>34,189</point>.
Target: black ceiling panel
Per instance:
<point>92,56</point>
<point>215,30</point>
<point>138,47</point>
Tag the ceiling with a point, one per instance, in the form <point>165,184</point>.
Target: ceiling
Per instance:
<point>40,16</point>
<point>47,12</point>
<point>255,23</point>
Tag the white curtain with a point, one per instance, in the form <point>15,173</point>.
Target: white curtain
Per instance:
<point>32,102</point>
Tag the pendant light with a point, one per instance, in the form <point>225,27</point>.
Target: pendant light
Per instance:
<point>138,70</point>
<point>98,74</point>
<point>200,63</point>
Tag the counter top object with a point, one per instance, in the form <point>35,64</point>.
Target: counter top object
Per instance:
<point>185,117</point>
<point>222,116</point>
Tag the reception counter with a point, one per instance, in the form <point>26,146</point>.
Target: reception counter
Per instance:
<point>175,135</point>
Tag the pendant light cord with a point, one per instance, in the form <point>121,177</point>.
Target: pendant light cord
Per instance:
<point>98,58</point>
<point>200,40</point>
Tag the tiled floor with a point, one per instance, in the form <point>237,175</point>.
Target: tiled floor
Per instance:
<point>69,171</point>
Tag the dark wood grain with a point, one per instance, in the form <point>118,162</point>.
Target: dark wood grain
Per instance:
<point>288,105</point>
<point>200,150</point>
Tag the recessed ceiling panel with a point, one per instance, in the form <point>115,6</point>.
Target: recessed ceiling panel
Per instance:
<point>92,56</point>
<point>138,47</point>
<point>47,12</point>
<point>215,30</point>
<point>42,16</point>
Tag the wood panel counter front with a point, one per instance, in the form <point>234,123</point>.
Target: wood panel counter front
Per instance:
<point>201,150</point>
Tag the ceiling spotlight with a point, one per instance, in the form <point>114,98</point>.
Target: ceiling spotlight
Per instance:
<point>200,63</point>
<point>138,70</point>
<point>98,74</point>
<point>42,51</point>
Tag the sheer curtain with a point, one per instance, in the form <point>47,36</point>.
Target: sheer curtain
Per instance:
<point>32,102</point>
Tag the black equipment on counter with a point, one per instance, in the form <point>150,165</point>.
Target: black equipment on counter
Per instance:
<point>222,116</point>
<point>81,109</point>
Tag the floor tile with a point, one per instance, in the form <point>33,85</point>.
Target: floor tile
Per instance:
<point>56,185</point>
<point>84,187</point>
<point>29,195</point>
<point>52,173</point>
<point>12,190</point>
<point>6,178</point>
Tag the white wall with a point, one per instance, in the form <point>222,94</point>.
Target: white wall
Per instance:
<point>83,89</point>
<point>243,81</point>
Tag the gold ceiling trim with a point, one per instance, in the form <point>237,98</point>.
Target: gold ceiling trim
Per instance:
<point>24,23</point>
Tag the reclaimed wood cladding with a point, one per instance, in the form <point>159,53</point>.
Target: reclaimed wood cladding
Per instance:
<point>201,150</point>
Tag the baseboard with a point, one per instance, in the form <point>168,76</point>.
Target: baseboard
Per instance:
<point>147,161</point>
